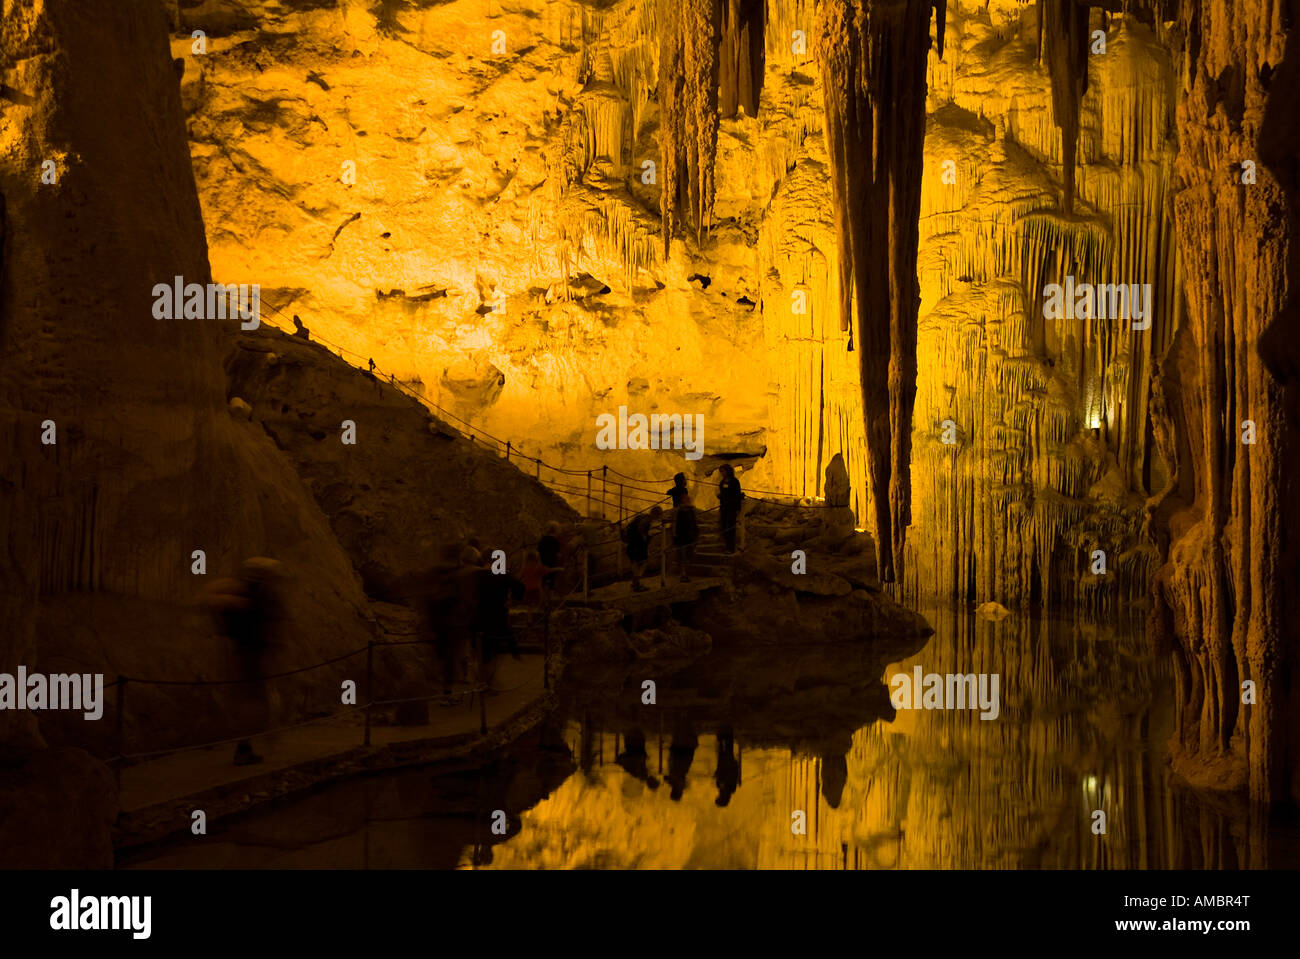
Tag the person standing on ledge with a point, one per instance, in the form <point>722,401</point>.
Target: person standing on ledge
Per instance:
<point>299,330</point>
<point>686,528</point>
<point>548,551</point>
<point>730,498</point>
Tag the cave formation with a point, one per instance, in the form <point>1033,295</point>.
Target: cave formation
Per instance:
<point>826,226</point>
<point>872,58</point>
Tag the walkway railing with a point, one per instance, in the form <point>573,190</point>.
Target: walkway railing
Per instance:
<point>625,493</point>
<point>608,487</point>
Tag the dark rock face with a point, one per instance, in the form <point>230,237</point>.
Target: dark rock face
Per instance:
<point>1226,595</point>
<point>408,487</point>
<point>56,810</point>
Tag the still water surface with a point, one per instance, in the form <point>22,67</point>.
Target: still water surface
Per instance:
<point>740,747</point>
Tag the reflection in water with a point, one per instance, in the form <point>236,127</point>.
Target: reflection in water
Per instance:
<point>737,743</point>
<point>1085,714</point>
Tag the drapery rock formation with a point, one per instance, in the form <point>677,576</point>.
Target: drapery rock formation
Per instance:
<point>146,464</point>
<point>1226,420</point>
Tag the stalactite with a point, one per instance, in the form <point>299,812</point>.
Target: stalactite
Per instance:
<point>873,59</point>
<point>688,110</point>
<point>1063,42</point>
<point>1055,457</point>
<point>741,57</point>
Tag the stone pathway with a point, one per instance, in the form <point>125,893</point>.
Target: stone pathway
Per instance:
<point>158,796</point>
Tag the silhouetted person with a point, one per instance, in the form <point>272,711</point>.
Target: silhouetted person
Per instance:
<point>247,608</point>
<point>464,616</point>
<point>727,774</point>
<point>372,364</point>
<point>686,527</point>
<point>730,498</point>
<point>634,760</point>
<point>441,606</point>
<point>678,490</point>
<point>492,618</point>
<point>681,753</point>
<point>638,535</point>
<point>548,551</point>
<point>299,330</point>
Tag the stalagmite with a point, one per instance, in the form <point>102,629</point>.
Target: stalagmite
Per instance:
<point>873,60</point>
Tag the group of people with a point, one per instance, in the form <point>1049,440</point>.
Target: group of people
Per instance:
<point>685,525</point>
<point>468,609</point>
<point>681,755</point>
<point>467,604</point>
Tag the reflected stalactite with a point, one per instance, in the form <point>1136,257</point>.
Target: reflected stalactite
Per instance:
<point>873,57</point>
<point>1063,44</point>
<point>1080,728</point>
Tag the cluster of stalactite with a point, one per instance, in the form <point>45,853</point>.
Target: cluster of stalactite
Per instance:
<point>703,60</point>
<point>1054,454</point>
<point>587,161</point>
<point>1063,43</point>
<point>741,56</point>
<point>1226,597</point>
<point>873,56</point>
<point>688,112</point>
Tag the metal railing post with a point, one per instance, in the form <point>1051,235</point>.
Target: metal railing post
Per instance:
<point>121,728</point>
<point>663,558</point>
<point>588,494</point>
<point>507,451</point>
<point>604,488</point>
<point>370,675</point>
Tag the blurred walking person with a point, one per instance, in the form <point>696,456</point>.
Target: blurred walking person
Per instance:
<point>441,607</point>
<point>248,611</point>
<point>492,627</point>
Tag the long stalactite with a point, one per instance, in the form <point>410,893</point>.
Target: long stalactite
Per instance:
<point>873,57</point>
<point>1063,43</point>
<point>688,111</point>
<point>742,56</point>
